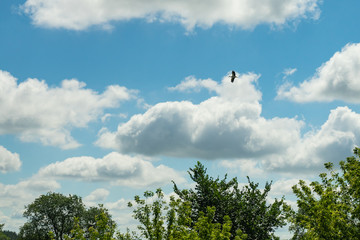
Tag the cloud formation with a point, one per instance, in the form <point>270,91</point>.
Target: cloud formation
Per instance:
<point>15,196</point>
<point>204,13</point>
<point>115,168</point>
<point>97,196</point>
<point>336,79</point>
<point>332,142</point>
<point>228,125</point>
<point>39,113</point>
<point>9,161</point>
<point>288,72</point>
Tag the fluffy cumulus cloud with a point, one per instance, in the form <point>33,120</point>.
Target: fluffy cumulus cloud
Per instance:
<point>15,196</point>
<point>24,191</point>
<point>332,142</point>
<point>39,113</point>
<point>204,13</point>
<point>247,167</point>
<point>283,187</point>
<point>336,79</point>
<point>9,161</point>
<point>115,168</point>
<point>228,125</point>
<point>96,196</point>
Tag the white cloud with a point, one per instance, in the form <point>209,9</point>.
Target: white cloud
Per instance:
<point>333,142</point>
<point>9,161</point>
<point>23,192</point>
<point>15,196</point>
<point>193,84</point>
<point>116,168</point>
<point>288,72</point>
<point>246,14</point>
<point>336,79</point>
<point>248,167</point>
<point>96,196</point>
<point>283,187</point>
<point>47,114</point>
<point>243,90</point>
<point>120,204</point>
<point>228,125</point>
<point>307,154</point>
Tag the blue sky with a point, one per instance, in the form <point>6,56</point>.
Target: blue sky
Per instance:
<point>107,99</point>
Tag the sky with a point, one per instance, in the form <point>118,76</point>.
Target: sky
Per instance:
<point>106,99</point>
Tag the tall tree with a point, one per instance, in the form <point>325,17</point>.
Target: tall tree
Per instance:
<point>329,209</point>
<point>2,235</point>
<point>103,228</point>
<point>55,213</point>
<point>89,221</point>
<point>162,220</point>
<point>52,212</point>
<point>247,207</point>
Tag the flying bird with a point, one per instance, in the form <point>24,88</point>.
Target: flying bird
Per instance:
<point>233,76</point>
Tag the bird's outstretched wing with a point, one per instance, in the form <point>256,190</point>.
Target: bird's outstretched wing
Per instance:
<point>233,76</point>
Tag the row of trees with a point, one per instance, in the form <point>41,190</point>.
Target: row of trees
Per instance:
<point>215,209</point>
<point>7,235</point>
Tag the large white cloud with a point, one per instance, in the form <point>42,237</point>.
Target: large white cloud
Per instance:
<point>9,161</point>
<point>36,112</point>
<point>332,142</point>
<point>15,196</point>
<point>82,14</point>
<point>115,168</point>
<point>336,79</point>
<point>96,197</point>
<point>24,191</point>
<point>228,125</point>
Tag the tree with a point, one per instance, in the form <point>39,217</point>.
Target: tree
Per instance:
<point>103,229</point>
<point>7,235</point>
<point>2,235</point>
<point>172,221</point>
<point>329,209</point>
<point>51,212</point>
<point>247,208</point>
<point>94,218</point>
<point>55,213</point>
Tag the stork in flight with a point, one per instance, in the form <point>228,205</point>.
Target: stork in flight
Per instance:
<point>233,76</point>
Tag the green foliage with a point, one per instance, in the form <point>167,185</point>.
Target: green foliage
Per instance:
<point>207,229</point>
<point>172,221</point>
<point>51,216</point>
<point>214,210</point>
<point>103,229</point>
<point>150,215</point>
<point>7,235</point>
<point>2,235</point>
<point>247,208</point>
<point>329,209</point>
<point>96,220</point>
<point>52,212</point>
<point>127,236</point>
